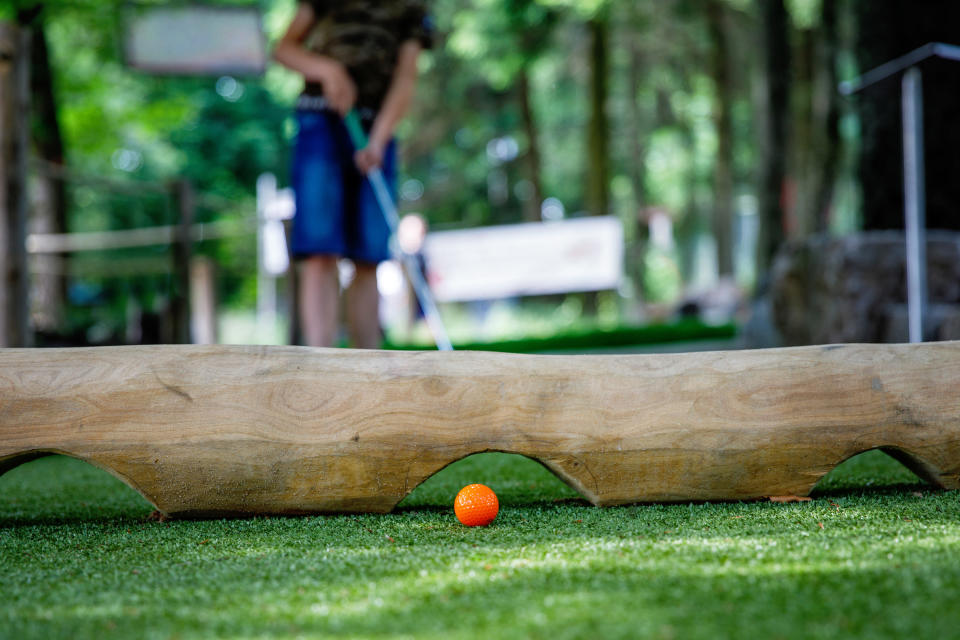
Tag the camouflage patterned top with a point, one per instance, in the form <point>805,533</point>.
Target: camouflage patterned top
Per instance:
<point>365,36</point>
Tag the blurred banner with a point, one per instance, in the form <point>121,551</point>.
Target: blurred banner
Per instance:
<point>582,254</point>
<point>195,40</point>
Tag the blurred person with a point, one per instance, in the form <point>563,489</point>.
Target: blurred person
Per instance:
<point>411,236</point>
<point>352,54</point>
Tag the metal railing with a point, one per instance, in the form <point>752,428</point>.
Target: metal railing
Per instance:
<point>914,178</point>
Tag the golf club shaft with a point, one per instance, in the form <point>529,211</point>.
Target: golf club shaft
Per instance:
<point>389,209</point>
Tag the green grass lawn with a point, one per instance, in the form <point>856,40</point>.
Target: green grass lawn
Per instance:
<point>874,555</point>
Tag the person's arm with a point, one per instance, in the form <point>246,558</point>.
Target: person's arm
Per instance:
<point>394,107</point>
<point>338,87</point>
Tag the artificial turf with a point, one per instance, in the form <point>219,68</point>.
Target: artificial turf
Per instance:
<point>596,339</point>
<point>874,555</point>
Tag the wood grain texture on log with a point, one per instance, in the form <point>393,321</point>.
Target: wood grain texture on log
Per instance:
<point>218,430</point>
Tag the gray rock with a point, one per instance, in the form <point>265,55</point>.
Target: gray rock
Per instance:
<point>852,289</point>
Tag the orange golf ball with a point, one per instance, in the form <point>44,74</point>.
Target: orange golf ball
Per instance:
<point>476,505</point>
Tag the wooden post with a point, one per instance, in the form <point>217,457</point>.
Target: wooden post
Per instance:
<point>293,295</point>
<point>185,201</point>
<point>203,301</point>
<point>14,107</point>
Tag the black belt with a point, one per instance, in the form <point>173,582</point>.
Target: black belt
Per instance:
<point>319,103</point>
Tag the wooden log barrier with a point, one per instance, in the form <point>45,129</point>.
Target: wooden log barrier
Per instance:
<point>216,430</point>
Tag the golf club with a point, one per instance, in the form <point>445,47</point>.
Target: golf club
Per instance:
<point>389,209</point>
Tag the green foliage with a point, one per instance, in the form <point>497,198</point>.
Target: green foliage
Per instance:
<point>804,13</point>
<point>585,9</point>
<point>79,559</point>
<point>499,37</point>
<point>592,339</point>
<point>662,281</point>
<point>119,123</point>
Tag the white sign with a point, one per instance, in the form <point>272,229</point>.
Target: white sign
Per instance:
<point>195,39</point>
<point>580,254</point>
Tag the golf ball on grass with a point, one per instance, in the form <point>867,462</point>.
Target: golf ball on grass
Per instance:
<point>476,505</point>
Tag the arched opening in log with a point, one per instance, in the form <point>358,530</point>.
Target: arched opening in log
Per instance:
<point>52,487</point>
<point>883,468</point>
<point>516,479</point>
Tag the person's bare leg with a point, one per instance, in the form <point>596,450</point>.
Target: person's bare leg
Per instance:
<point>319,300</point>
<point>363,308</point>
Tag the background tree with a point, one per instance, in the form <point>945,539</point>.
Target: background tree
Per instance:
<point>887,30</point>
<point>14,51</point>
<point>720,69</point>
<point>695,109</point>
<point>506,39</point>
<point>775,79</point>
<point>48,197</point>
<point>598,129</point>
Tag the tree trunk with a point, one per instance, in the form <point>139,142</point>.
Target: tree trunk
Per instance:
<point>887,30</point>
<point>803,140</point>
<point>47,193</point>
<point>634,261</point>
<point>14,103</point>
<point>776,112</point>
<point>531,208</point>
<point>827,107</point>
<point>598,132</point>
<point>693,222</point>
<point>723,124</point>
<point>633,23</point>
<point>231,430</point>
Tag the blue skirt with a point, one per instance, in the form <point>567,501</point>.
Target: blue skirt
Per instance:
<point>337,212</point>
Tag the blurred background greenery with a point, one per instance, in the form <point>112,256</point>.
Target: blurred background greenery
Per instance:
<point>722,115</point>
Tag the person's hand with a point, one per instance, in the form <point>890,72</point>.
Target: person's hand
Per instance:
<point>370,157</point>
<point>338,87</point>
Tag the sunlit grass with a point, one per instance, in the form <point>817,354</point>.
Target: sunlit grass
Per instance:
<point>511,320</point>
<point>79,559</point>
